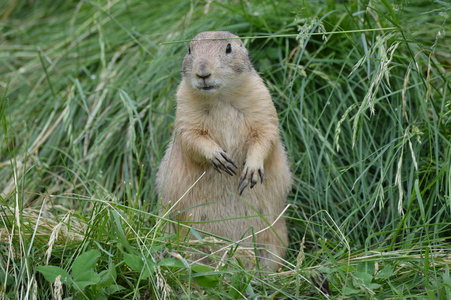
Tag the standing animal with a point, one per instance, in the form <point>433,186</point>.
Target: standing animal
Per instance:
<point>226,125</point>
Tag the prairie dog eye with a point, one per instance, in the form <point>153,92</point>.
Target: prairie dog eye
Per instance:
<point>189,50</point>
<point>228,48</point>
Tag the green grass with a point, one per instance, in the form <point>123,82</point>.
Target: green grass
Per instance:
<point>87,106</point>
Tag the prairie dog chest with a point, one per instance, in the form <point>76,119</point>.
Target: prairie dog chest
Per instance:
<point>227,126</point>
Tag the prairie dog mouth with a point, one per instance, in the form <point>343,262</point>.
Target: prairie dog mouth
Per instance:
<point>208,88</point>
<point>205,85</point>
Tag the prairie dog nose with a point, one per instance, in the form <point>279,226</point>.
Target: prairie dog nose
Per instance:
<point>203,75</point>
<point>203,71</point>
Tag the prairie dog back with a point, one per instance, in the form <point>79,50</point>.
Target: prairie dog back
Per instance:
<point>226,126</point>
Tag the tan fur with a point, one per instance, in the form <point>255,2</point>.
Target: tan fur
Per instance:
<point>232,122</point>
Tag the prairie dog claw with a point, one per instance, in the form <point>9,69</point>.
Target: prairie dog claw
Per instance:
<point>222,162</point>
<point>250,176</point>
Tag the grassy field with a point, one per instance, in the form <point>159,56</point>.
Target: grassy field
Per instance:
<point>362,89</point>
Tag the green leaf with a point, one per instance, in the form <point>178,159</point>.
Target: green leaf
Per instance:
<point>108,276</point>
<point>205,276</point>
<point>85,279</point>
<point>148,269</point>
<point>171,263</point>
<point>136,263</point>
<point>114,289</point>
<point>6,278</point>
<point>446,278</point>
<point>350,291</point>
<point>239,282</point>
<point>122,239</point>
<point>196,234</point>
<point>364,277</point>
<point>366,267</point>
<point>393,19</point>
<point>373,286</point>
<point>99,295</point>
<point>385,273</point>
<point>51,272</point>
<point>84,264</point>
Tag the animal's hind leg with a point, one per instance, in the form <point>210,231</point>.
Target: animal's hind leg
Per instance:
<point>273,243</point>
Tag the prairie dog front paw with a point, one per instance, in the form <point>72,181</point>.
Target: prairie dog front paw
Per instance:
<point>250,176</point>
<point>220,161</point>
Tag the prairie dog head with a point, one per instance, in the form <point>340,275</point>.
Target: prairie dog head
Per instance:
<point>216,64</point>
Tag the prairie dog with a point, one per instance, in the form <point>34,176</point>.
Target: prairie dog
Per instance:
<point>226,126</point>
